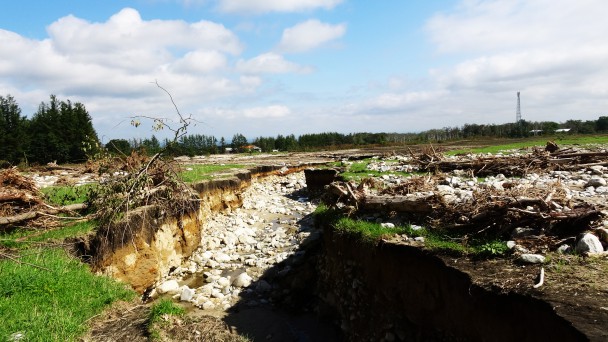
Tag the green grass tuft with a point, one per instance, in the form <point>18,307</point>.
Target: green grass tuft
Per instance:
<point>164,307</point>
<point>55,303</point>
<point>65,195</point>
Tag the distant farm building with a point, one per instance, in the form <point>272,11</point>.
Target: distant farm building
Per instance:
<point>252,148</point>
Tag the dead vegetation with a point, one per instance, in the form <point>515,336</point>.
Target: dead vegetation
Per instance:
<point>548,159</point>
<point>21,202</point>
<point>485,211</point>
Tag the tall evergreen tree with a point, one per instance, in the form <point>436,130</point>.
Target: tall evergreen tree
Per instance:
<point>62,132</point>
<point>12,130</point>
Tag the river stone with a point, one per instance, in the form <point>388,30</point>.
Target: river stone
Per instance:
<point>522,231</point>
<point>242,280</point>
<point>564,249</point>
<point>169,286</point>
<point>388,225</point>
<point>230,239</point>
<point>206,290</point>
<point>222,257</point>
<point>589,243</point>
<point>187,294</point>
<point>532,258</point>
<point>208,305</point>
<point>223,282</point>
<point>596,182</point>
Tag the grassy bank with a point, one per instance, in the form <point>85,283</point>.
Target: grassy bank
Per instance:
<point>47,295</point>
<point>371,232</point>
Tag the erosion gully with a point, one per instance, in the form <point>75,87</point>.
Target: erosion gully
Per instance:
<point>272,274</point>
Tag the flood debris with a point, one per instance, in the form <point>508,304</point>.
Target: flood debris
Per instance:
<point>556,195</point>
<point>21,202</point>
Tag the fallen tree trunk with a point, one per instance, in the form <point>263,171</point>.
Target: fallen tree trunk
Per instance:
<point>408,204</point>
<point>8,220</point>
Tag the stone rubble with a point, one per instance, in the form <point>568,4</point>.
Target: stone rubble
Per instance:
<point>239,246</point>
<point>589,184</point>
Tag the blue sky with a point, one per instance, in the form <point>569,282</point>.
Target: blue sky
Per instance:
<point>268,67</point>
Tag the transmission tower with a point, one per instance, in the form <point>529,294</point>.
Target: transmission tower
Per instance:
<point>518,111</point>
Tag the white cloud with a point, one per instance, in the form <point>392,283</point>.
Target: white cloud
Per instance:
<point>309,35</point>
<point>269,63</point>
<point>127,41</point>
<point>274,111</point>
<point>109,66</point>
<point>263,6</point>
<point>499,25</point>
<point>553,51</point>
<point>200,62</point>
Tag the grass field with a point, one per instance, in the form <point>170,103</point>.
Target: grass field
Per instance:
<point>200,172</point>
<point>582,140</point>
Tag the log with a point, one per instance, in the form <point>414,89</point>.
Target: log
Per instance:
<point>33,214</point>
<point>409,204</point>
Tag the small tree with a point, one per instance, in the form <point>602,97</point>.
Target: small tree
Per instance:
<point>147,181</point>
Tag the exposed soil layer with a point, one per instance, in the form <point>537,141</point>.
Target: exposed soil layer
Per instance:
<point>393,290</point>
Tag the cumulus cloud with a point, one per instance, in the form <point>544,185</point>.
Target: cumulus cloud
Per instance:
<point>263,6</point>
<point>309,35</point>
<point>551,50</point>
<point>269,63</point>
<point>195,62</point>
<point>274,111</point>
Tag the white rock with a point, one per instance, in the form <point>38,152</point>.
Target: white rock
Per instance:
<point>208,305</point>
<point>388,225</point>
<point>230,239</point>
<point>187,294</point>
<point>511,244</point>
<point>169,286</point>
<point>222,257</point>
<point>223,282</point>
<point>242,280</point>
<point>532,258</point>
<point>589,243</point>
<point>206,290</point>
<point>563,249</point>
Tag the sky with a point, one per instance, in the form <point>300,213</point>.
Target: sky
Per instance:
<point>269,67</point>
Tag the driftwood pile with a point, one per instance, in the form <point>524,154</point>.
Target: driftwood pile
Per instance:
<point>488,211</point>
<point>21,200</point>
<point>549,159</point>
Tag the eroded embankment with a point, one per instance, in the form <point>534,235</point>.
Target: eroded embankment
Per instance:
<point>390,291</point>
<point>148,243</point>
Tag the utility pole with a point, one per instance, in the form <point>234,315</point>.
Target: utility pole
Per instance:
<point>518,111</point>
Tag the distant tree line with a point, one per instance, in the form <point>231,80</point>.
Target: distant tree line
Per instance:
<point>62,131</point>
<point>59,131</point>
